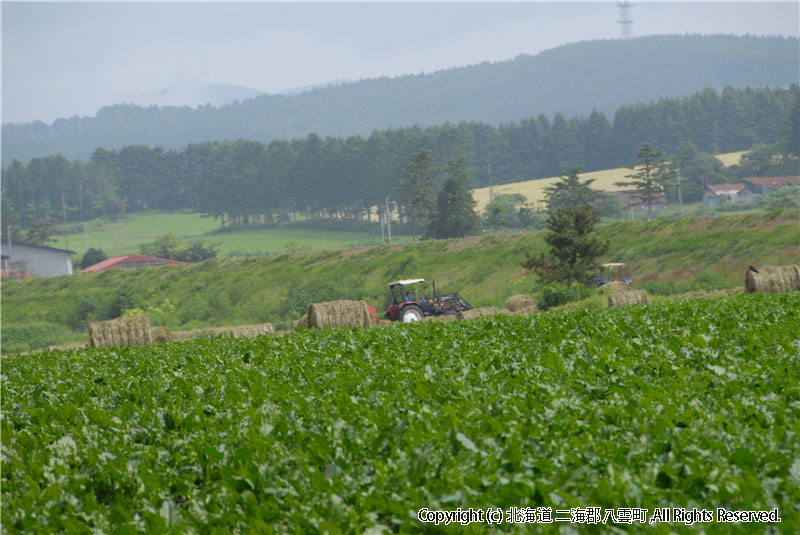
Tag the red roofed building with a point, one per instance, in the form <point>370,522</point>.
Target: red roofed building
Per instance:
<point>768,184</point>
<point>130,261</point>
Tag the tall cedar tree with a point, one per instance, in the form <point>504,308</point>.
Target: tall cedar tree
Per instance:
<point>417,189</point>
<point>646,179</point>
<point>570,191</point>
<point>455,215</point>
<point>574,248</point>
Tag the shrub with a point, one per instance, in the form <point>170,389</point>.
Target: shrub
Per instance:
<point>92,257</point>
<point>659,287</point>
<point>24,336</point>
<point>297,299</point>
<point>159,315</point>
<point>557,294</point>
<point>787,197</point>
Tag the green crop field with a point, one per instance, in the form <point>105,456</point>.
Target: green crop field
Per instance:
<point>687,404</point>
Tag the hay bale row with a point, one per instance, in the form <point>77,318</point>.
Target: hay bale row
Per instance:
<point>120,332</point>
<point>249,331</point>
<point>615,287</point>
<point>442,318</point>
<point>633,297</point>
<point>477,312</point>
<point>521,304</point>
<point>343,313</point>
<point>772,279</point>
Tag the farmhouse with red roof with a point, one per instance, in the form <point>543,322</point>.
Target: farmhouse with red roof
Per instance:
<point>130,261</point>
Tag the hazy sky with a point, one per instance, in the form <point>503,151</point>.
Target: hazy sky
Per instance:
<point>64,59</point>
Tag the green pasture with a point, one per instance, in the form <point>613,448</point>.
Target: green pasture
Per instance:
<point>126,234</point>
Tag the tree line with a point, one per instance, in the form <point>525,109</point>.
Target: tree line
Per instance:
<point>243,182</point>
<point>571,79</point>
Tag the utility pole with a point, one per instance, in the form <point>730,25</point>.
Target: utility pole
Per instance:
<point>678,179</point>
<point>8,266</point>
<point>380,219</point>
<point>489,169</point>
<point>388,221</point>
<point>116,244</point>
<point>85,239</point>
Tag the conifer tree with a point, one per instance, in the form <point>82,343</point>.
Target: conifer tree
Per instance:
<point>646,178</point>
<point>455,214</point>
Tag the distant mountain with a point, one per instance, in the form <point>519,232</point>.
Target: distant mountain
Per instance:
<point>197,95</point>
<point>572,80</point>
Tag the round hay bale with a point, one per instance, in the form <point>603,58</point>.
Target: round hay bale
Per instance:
<point>615,287</point>
<point>343,313</point>
<point>516,303</point>
<point>302,323</point>
<point>120,332</point>
<point>633,297</point>
<point>477,312</point>
<point>161,334</point>
<point>772,279</point>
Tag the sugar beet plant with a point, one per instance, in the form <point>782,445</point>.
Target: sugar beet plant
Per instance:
<point>687,404</point>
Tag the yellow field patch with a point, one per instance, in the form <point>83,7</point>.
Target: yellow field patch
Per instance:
<point>533,190</point>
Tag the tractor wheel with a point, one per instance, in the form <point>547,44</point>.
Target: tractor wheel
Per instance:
<point>411,313</point>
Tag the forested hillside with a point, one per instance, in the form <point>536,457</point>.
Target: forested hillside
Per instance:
<point>572,80</point>
<point>249,181</point>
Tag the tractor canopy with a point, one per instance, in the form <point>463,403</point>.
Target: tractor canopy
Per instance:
<point>405,282</point>
<point>397,297</point>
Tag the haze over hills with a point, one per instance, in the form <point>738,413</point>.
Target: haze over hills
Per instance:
<point>194,95</point>
<point>216,95</point>
<point>572,80</point>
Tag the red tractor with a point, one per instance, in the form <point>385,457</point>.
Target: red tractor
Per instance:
<point>410,308</point>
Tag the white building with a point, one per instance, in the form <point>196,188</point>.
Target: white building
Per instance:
<point>23,260</point>
<point>734,193</point>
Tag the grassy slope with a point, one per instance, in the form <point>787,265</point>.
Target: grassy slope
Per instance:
<point>486,270</point>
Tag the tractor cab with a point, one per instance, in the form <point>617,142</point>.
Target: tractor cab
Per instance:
<point>408,306</point>
<point>398,291</point>
<point>613,272</point>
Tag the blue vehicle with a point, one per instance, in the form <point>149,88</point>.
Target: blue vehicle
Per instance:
<point>613,272</point>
